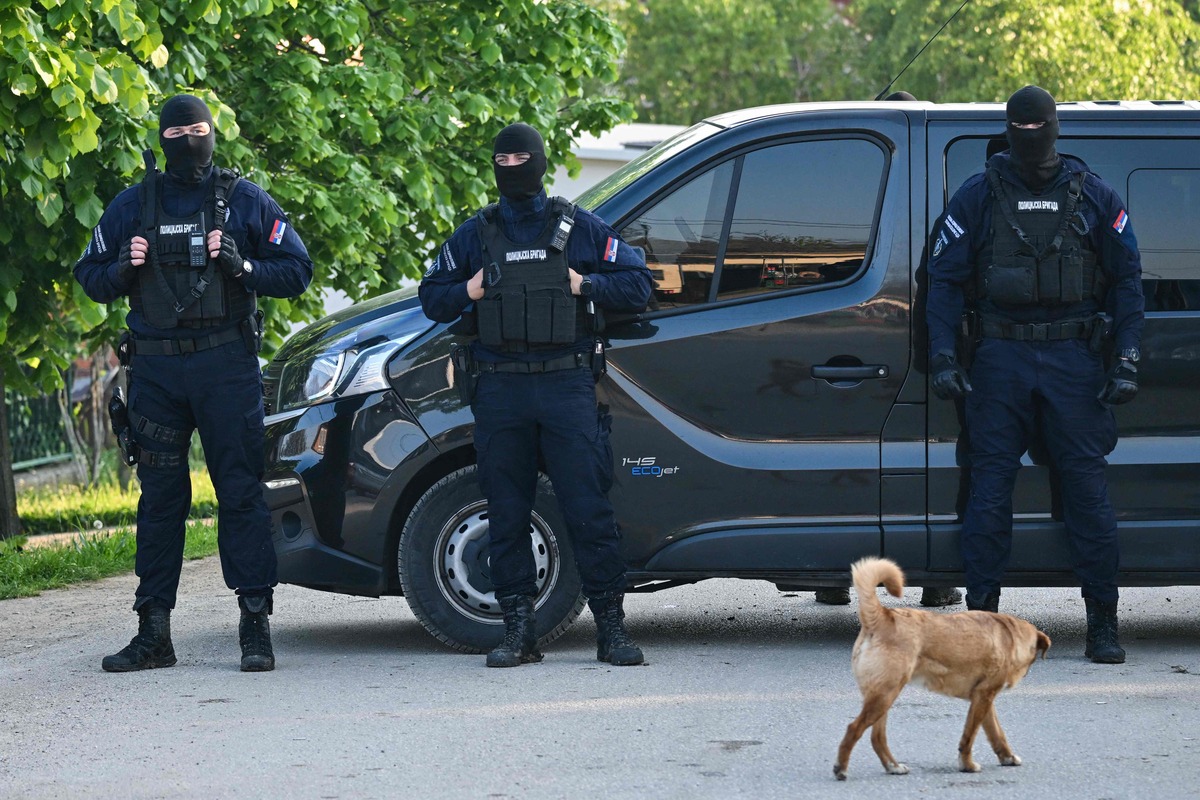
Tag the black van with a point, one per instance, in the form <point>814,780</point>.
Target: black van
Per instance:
<point>772,417</point>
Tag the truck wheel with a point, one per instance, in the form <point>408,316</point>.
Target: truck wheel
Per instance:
<point>445,575</point>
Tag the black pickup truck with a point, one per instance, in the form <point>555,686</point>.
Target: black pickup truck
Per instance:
<point>772,416</point>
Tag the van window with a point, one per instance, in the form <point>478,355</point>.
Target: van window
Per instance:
<point>1167,205</point>
<point>802,217</point>
<point>680,235</point>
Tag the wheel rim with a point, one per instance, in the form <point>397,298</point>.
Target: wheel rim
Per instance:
<point>463,572</point>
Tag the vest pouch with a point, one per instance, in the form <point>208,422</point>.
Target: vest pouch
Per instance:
<point>1014,284</point>
<point>491,332</point>
<point>512,315</point>
<point>1074,287</point>
<point>565,309</point>
<point>210,310</point>
<point>551,317</point>
<point>540,316</point>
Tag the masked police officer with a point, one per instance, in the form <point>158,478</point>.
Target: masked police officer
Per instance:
<point>1035,248</point>
<point>535,269</point>
<point>192,249</point>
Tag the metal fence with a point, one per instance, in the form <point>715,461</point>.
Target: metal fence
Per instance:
<point>36,430</point>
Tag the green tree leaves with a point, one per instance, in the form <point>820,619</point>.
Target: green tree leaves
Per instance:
<point>1077,50</point>
<point>370,121</point>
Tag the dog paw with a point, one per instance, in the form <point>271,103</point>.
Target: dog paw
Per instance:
<point>969,766</point>
<point>1012,760</point>
<point>839,772</point>
<point>897,769</point>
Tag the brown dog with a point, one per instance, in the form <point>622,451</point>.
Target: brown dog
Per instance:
<point>972,655</point>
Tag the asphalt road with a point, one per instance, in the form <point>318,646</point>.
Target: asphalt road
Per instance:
<point>746,693</point>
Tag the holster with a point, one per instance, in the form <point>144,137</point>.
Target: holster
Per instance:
<point>1100,341</point>
<point>118,417</point>
<point>466,374</point>
<point>252,332</point>
<point>599,358</point>
<point>968,338</point>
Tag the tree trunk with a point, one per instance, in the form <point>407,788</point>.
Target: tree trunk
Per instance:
<point>10,523</point>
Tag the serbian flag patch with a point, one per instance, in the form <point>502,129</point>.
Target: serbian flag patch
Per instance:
<point>610,249</point>
<point>1119,222</point>
<point>277,231</point>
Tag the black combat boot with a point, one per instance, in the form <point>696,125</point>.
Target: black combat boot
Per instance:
<point>254,633</point>
<point>612,640</point>
<point>977,601</point>
<point>519,645</point>
<point>834,597</point>
<point>151,648</point>
<point>935,597</point>
<point>1102,645</point>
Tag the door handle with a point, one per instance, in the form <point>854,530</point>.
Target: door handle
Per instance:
<point>857,373</point>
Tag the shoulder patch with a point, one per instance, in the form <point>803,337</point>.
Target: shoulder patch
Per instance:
<point>610,249</point>
<point>953,226</point>
<point>1120,222</point>
<point>940,244</point>
<point>277,231</point>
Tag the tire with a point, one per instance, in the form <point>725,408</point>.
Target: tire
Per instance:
<point>442,560</point>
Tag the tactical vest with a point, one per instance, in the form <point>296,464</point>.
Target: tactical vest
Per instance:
<point>1038,255</point>
<point>180,286</point>
<point>527,303</point>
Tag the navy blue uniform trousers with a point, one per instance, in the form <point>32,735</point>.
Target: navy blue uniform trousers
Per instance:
<point>1019,387</point>
<point>217,392</point>
<point>516,416</point>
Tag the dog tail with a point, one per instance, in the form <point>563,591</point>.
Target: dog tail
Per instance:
<point>1043,644</point>
<point>868,574</point>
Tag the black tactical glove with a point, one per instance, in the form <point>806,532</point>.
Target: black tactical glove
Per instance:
<point>1122,384</point>
<point>949,379</point>
<point>229,260</point>
<point>125,266</point>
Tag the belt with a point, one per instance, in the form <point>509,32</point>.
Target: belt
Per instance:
<point>572,361</point>
<point>175,347</point>
<point>1037,331</point>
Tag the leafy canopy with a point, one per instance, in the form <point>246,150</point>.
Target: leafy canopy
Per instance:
<point>1076,50</point>
<point>369,121</point>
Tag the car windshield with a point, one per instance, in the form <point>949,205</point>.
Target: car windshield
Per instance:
<point>593,197</point>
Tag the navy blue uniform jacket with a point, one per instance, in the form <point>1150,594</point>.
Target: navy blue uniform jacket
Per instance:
<point>967,225</point>
<point>281,269</point>
<point>622,284</point>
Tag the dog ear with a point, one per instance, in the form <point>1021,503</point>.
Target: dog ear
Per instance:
<point>1043,644</point>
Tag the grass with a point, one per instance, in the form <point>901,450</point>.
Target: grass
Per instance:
<point>26,571</point>
<point>74,509</point>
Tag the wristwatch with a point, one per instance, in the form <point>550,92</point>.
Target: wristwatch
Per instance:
<point>247,268</point>
<point>585,286</point>
<point>1130,354</point>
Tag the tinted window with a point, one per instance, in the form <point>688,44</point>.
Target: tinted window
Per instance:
<point>803,215</point>
<point>680,235</point>
<point>1167,204</point>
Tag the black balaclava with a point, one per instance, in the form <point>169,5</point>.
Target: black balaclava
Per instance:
<point>523,181</point>
<point>188,157</point>
<point>900,96</point>
<point>1033,154</point>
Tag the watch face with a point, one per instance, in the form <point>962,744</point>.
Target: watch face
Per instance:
<point>1132,354</point>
